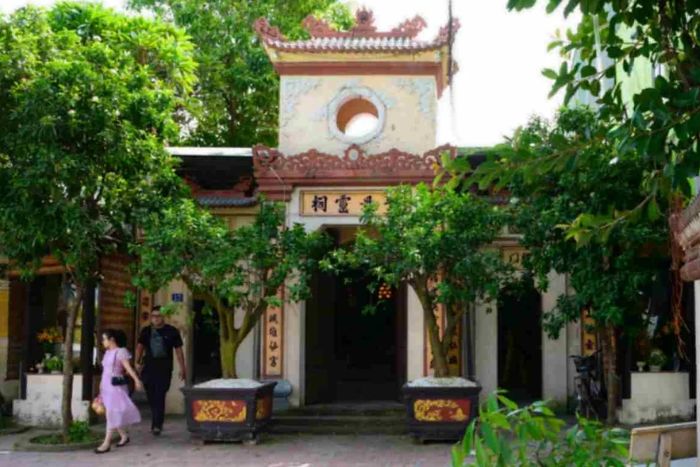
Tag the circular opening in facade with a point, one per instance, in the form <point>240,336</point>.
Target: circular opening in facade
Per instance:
<point>357,118</point>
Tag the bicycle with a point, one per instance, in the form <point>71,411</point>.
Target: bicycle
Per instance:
<point>590,391</point>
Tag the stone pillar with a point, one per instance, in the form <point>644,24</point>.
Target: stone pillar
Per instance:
<point>554,351</point>
<point>294,351</point>
<point>486,347</point>
<point>415,337</point>
<point>174,400</point>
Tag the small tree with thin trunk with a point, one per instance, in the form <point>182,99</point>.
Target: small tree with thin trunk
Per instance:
<point>241,271</point>
<point>87,98</point>
<point>437,241</point>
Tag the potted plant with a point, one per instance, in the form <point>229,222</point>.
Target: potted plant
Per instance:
<point>239,273</point>
<point>53,365</point>
<point>436,241</point>
<point>657,359</point>
<point>50,339</point>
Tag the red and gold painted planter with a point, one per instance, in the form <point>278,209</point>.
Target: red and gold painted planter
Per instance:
<point>228,414</point>
<point>440,413</point>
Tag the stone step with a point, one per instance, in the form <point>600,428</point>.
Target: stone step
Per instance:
<point>338,430</point>
<point>333,420</point>
<point>338,425</point>
<point>366,418</point>
<point>340,410</point>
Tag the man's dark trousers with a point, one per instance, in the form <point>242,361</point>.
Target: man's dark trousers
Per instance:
<point>156,381</point>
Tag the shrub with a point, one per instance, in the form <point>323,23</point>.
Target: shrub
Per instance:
<point>507,435</point>
<point>657,358</point>
<point>79,432</point>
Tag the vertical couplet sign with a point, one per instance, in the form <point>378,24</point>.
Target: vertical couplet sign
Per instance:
<point>272,341</point>
<point>589,339</point>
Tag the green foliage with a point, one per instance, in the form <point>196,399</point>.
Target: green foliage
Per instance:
<point>436,241</point>
<point>658,123</point>
<point>79,432</point>
<point>657,358</point>
<point>87,101</point>
<point>87,98</point>
<point>245,268</point>
<point>508,435</point>
<point>611,276</point>
<point>238,87</point>
<point>53,363</point>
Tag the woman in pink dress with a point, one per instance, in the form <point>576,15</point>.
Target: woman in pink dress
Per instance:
<point>121,411</point>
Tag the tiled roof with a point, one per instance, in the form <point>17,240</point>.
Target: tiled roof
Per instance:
<point>226,201</point>
<point>363,37</point>
<point>355,44</point>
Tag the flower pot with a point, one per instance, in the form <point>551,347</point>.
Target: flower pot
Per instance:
<point>640,366</point>
<point>222,410</point>
<point>440,412</point>
<point>655,368</point>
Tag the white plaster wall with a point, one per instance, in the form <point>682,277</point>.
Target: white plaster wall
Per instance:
<point>181,319</point>
<point>554,351</point>
<point>245,360</point>
<point>657,397</point>
<point>415,339</point>
<point>42,406</point>
<point>573,344</point>
<point>410,103</point>
<point>486,348</point>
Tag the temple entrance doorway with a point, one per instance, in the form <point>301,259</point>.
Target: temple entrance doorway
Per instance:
<point>353,355</point>
<point>206,358</point>
<point>520,342</point>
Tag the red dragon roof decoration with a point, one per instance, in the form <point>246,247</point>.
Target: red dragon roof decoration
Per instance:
<point>277,174</point>
<point>363,37</point>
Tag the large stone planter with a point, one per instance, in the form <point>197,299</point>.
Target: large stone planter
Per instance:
<point>226,412</point>
<point>657,397</point>
<point>440,412</point>
<point>42,405</point>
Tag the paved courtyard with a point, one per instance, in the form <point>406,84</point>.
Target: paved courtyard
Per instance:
<point>174,448</point>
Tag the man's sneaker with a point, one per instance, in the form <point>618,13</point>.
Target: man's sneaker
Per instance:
<point>156,431</point>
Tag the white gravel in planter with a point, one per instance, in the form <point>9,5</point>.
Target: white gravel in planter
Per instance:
<point>229,383</point>
<point>432,382</point>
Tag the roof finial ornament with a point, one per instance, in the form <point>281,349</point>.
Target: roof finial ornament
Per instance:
<point>364,19</point>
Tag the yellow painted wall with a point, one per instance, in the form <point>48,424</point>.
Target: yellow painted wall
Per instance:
<point>305,109</point>
<point>236,217</point>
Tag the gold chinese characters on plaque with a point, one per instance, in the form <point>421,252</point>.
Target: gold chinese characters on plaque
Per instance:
<point>272,342</point>
<point>340,203</point>
<point>514,256</point>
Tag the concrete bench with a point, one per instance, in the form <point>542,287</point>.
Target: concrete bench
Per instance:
<point>663,443</point>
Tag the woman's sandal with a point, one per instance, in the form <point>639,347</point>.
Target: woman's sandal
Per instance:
<point>121,444</point>
<point>99,451</point>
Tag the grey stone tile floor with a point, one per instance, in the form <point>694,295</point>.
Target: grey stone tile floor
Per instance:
<point>175,448</point>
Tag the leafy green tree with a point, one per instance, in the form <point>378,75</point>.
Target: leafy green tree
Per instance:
<point>238,87</point>
<point>247,269</point>
<point>611,279</point>
<point>508,435</point>
<point>87,98</point>
<point>658,123</point>
<point>435,240</point>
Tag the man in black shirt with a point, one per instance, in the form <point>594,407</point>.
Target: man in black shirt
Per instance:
<point>158,340</point>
